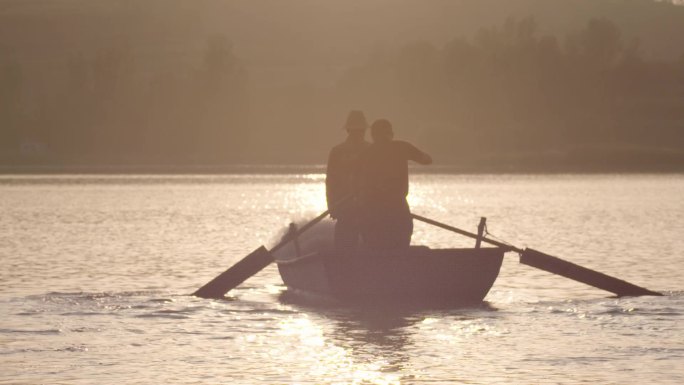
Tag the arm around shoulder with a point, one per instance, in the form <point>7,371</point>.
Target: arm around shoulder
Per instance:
<point>421,157</point>
<point>424,158</point>
<point>413,153</point>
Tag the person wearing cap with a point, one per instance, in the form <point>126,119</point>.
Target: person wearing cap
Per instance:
<point>384,186</point>
<point>341,182</point>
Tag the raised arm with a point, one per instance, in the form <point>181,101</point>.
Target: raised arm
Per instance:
<point>423,158</point>
<point>416,155</point>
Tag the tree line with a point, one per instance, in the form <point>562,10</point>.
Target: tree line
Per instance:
<point>512,94</point>
<point>102,109</point>
<point>508,95</point>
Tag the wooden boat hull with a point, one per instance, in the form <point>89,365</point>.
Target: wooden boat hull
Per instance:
<point>416,276</point>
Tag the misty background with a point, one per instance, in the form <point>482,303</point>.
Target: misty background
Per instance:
<point>485,84</point>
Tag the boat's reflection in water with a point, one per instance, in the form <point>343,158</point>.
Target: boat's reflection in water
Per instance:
<point>370,345</point>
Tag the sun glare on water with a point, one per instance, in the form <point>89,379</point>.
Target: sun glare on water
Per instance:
<point>308,198</point>
<point>328,361</point>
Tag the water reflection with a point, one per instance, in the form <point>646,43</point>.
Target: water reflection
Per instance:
<point>374,345</point>
<point>368,347</point>
<point>376,336</point>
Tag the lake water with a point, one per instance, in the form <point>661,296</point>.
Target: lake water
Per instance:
<point>96,271</point>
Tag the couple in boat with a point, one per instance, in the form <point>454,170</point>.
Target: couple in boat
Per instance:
<point>367,184</point>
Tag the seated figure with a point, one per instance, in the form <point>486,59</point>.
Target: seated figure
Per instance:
<point>386,221</point>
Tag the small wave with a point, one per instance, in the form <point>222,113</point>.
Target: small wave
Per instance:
<point>72,348</point>
<point>172,313</point>
<point>31,313</point>
<point>96,303</point>
<point>27,331</point>
<point>225,337</point>
<point>619,311</point>
<point>162,300</point>
<point>82,313</point>
<point>76,348</point>
<point>10,352</point>
<point>227,298</point>
<point>162,315</point>
<point>183,311</point>
<point>265,311</point>
<point>85,330</point>
<point>97,295</point>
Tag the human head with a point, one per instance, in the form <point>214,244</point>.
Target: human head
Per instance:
<point>381,131</point>
<point>356,121</point>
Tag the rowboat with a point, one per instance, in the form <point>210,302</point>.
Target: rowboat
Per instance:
<point>415,275</point>
<point>418,275</point>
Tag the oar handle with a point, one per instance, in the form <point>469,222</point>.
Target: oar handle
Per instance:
<point>299,231</point>
<point>294,234</point>
<point>466,233</point>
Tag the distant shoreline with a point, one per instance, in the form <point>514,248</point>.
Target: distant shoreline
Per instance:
<point>320,169</point>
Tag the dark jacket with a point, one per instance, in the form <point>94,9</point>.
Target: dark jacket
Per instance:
<point>342,177</point>
<point>384,177</point>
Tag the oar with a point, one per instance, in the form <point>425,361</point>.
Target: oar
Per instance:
<point>556,265</point>
<point>249,265</point>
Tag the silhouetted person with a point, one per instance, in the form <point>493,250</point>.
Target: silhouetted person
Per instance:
<point>384,185</point>
<point>341,182</point>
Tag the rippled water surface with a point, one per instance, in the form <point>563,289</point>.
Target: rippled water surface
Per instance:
<point>96,271</point>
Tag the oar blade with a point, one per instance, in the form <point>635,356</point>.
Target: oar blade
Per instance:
<point>578,273</point>
<point>250,265</point>
<point>236,274</point>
